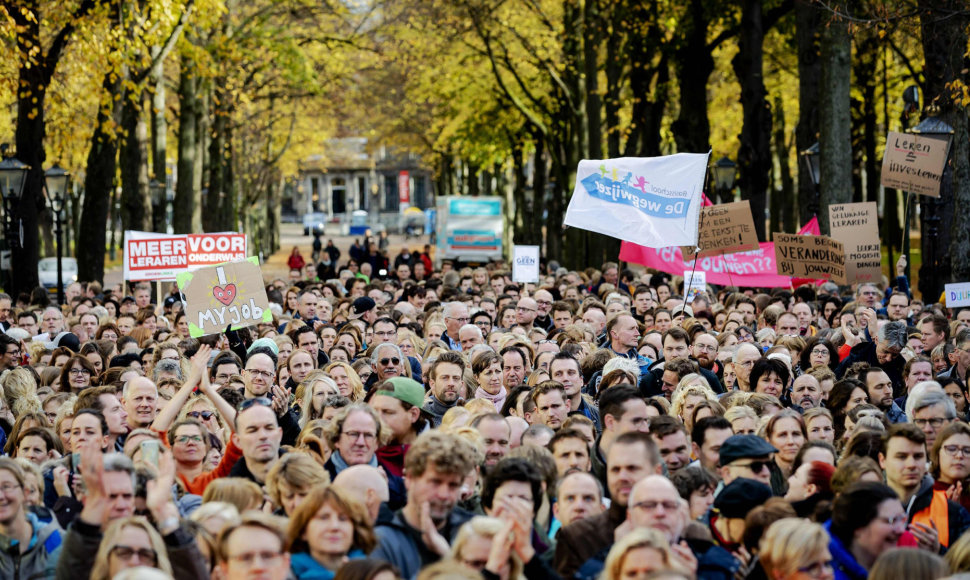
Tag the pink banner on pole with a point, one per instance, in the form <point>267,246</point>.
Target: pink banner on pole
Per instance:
<point>755,268</point>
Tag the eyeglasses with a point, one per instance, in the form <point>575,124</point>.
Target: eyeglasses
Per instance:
<point>651,505</point>
<point>524,309</point>
<point>259,373</point>
<point>126,552</point>
<point>821,350</point>
<point>705,348</point>
<point>461,320</point>
<point>955,450</point>
<point>755,466</point>
<point>206,415</point>
<point>935,422</point>
<point>548,341</point>
<point>8,488</point>
<point>393,360</point>
<point>355,435</point>
<point>189,439</point>
<point>254,401</point>
<point>15,352</point>
<point>78,372</point>
<point>894,521</point>
<point>745,364</point>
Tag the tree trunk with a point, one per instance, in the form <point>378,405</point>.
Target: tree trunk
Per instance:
<point>786,194</point>
<point>614,66</point>
<point>694,65</point>
<point>539,171</point>
<point>186,194</point>
<point>217,200</point>
<point>592,38</point>
<point>136,208</point>
<point>807,22</point>
<point>835,125</point>
<point>99,183</point>
<point>159,145</point>
<point>944,37</point>
<point>754,154</point>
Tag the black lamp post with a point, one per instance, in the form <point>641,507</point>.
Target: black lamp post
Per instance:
<point>936,216</point>
<point>55,181</point>
<point>812,165</point>
<point>156,190</point>
<point>13,177</point>
<point>725,171</point>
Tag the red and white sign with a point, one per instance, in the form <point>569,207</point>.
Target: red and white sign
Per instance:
<point>153,256</point>
<point>404,189</point>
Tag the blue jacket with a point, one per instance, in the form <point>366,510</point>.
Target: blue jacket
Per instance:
<point>844,563</point>
<point>40,558</point>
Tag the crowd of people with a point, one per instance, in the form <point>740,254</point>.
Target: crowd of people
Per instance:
<point>450,423</point>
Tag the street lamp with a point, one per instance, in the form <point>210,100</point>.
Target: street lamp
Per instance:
<point>55,181</point>
<point>812,164</point>
<point>157,191</point>
<point>724,172</point>
<point>936,214</point>
<point>13,177</point>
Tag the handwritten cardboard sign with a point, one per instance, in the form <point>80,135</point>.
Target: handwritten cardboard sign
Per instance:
<point>856,226</point>
<point>816,257</point>
<point>724,229</point>
<point>914,162</point>
<point>525,264</point>
<point>228,294</point>
<point>957,294</point>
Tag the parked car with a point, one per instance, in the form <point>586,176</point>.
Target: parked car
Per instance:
<point>313,223</point>
<point>47,272</point>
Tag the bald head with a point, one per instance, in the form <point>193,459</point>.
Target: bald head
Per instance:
<point>366,484</point>
<point>518,425</point>
<point>655,503</point>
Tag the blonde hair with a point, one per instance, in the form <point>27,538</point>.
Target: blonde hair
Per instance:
<point>241,493</point>
<point>453,415</point>
<point>790,544</point>
<point>304,393</point>
<point>20,392</point>
<point>686,389</point>
<point>638,538</point>
<point>357,386</point>
<point>114,534</point>
<point>405,334</point>
<point>295,470</point>
<point>958,555</point>
<point>488,528</point>
<point>215,509</point>
<point>479,407</point>
<point>740,412</point>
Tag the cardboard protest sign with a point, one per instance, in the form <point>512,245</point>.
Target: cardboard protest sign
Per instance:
<point>525,264</point>
<point>914,162</point>
<point>957,294</point>
<point>653,201</point>
<point>228,294</point>
<point>816,257</point>
<point>725,229</point>
<point>856,226</point>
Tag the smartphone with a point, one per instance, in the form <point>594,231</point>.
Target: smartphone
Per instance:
<point>150,451</point>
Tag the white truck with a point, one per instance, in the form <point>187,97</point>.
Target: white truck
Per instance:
<point>470,229</point>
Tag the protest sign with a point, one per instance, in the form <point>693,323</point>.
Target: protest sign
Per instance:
<point>525,264</point>
<point>809,257</point>
<point>914,162</point>
<point>694,282</point>
<point>957,294</point>
<point>755,268</point>
<point>228,294</point>
<point>856,226</point>
<point>152,256</point>
<point>653,202</point>
<point>724,229</point>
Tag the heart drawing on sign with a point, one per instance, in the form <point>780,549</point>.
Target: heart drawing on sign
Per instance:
<point>225,294</point>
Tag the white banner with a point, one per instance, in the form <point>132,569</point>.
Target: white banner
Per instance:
<point>957,295</point>
<point>153,256</point>
<point>653,201</point>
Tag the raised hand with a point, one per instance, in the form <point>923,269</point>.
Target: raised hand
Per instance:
<point>429,533</point>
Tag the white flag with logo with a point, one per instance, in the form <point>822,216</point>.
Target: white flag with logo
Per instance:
<point>650,201</point>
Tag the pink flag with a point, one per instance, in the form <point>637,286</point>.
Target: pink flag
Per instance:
<point>755,268</point>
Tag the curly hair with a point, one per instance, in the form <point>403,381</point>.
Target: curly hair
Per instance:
<point>448,453</point>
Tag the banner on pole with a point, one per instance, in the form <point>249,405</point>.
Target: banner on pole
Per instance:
<point>809,257</point>
<point>230,294</point>
<point>856,226</point>
<point>653,201</point>
<point>914,162</point>
<point>151,256</point>
<point>957,294</point>
<point>724,229</point>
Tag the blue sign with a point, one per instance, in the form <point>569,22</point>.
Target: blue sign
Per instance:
<point>476,207</point>
<point>622,192</point>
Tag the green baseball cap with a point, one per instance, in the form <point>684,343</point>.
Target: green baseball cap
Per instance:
<point>408,390</point>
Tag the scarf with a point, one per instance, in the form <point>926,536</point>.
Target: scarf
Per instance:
<point>497,400</point>
<point>437,409</point>
<point>340,464</point>
<point>304,567</point>
<point>391,458</point>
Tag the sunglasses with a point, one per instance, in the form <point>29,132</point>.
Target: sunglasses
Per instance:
<point>254,401</point>
<point>756,466</point>
<point>392,360</point>
<point>206,415</point>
